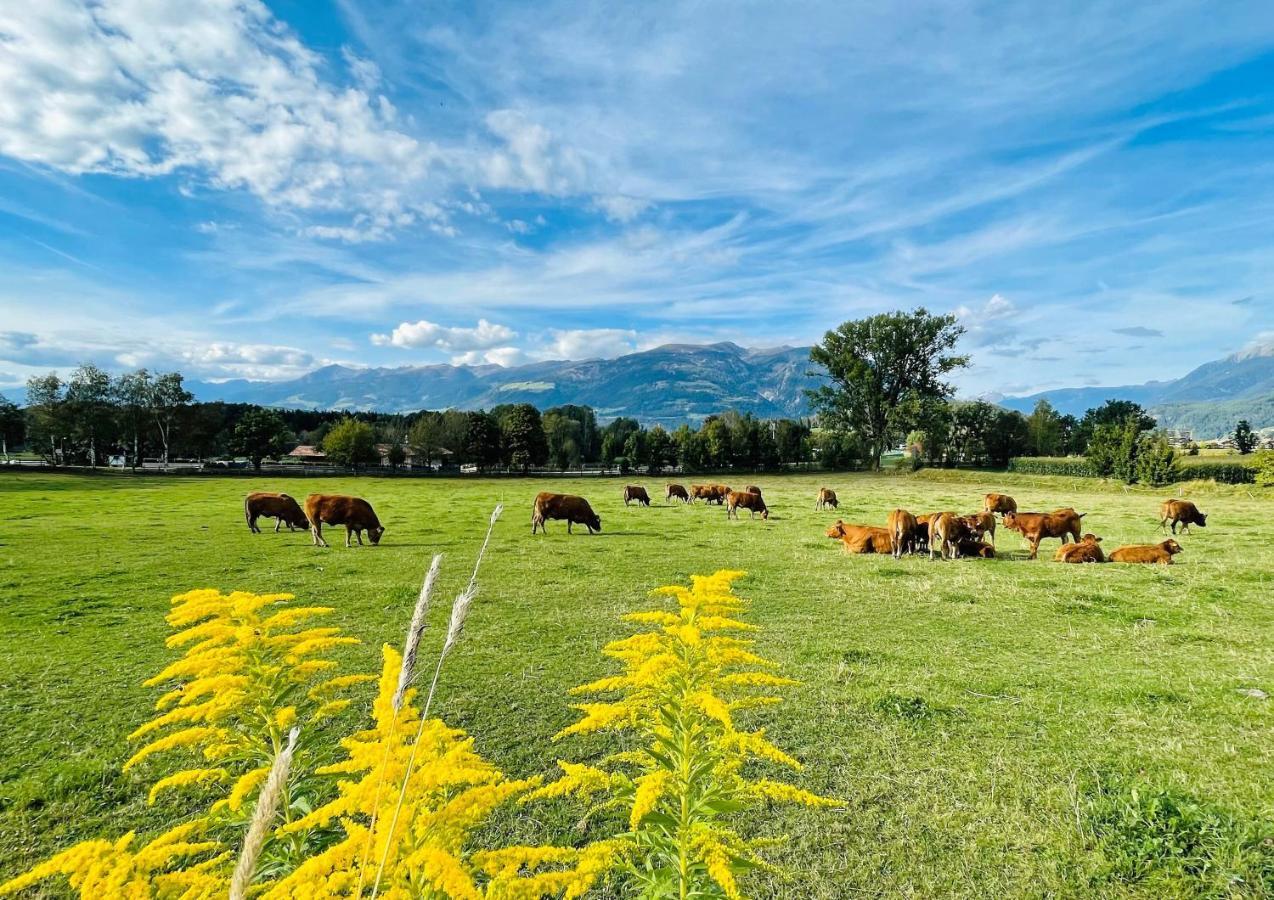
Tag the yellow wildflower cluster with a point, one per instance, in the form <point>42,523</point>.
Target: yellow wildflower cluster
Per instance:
<point>679,693</point>
<point>407,842</point>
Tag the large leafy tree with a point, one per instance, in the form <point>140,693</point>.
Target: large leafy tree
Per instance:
<point>1244,437</point>
<point>351,443</point>
<point>480,443</point>
<point>91,409</point>
<point>168,398</point>
<point>132,392</point>
<point>12,425</point>
<point>522,437</point>
<point>1112,412</point>
<point>1045,429</point>
<point>47,418</point>
<point>873,365</point>
<point>260,434</point>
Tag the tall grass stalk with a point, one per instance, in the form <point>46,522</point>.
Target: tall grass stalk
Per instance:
<point>262,816</point>
<point>459,612</point>
<point>405,676</point>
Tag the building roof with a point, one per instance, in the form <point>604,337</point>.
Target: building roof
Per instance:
<point>308,451</point>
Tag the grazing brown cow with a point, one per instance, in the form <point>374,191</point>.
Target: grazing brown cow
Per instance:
<point>709,493</point>
<point>749,500</point>
<point>979,549</point>
<point>676,492</point>
<point>354,513</point>
<point>980,524</point>
<point>1183,512</point>
<point>575,510</point>
<point>1087,550</point>
<point>1161,553</point>
<point>637,494</point>
<point>280,507</point>
<point>999,503</point>
<point>861,538</point>
<point>1034,527</point>
<point>902,532</point>
<point>946,531</point>
<point>826,499</point>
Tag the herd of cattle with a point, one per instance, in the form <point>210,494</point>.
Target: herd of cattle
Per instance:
<point>943,534</point>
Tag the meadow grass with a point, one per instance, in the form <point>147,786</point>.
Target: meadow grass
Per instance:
<point>997,727</point>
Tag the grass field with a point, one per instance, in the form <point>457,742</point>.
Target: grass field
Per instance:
<point>997,728</point>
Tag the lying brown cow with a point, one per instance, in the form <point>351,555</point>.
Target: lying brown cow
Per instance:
<point>749,500</point>
<point>676,492</point>
<point>861,538</point>
<point>1160,553</point>
<point>999,503</point>
<point>902,532</point>
<point>1183,512</point>
<point>826,499</point>
<point>1087,550</point>
<point>980,524</point>
<point>280,507</point>
<point>636,494</point>
<point>979,549</point>
<point>575,510</point>
<point>354,513</point>
<point>710,493</point>
<point>946,531</point>
<point>1034,527</point>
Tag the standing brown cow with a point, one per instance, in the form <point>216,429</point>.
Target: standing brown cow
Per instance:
<point>1183,512</point>
<point>676,491</point>
<point>749,500</point>
<point>710,493</point>
<point>902,532</point>
<point>354,513</point>
<point>280,507</point>
<point>999,503</point>
<point>1034,527</point>
<point>946,531</point>
<point>979,524</point>
<point>636,494</point>
<point>575,510</point>
<point>826,499</point>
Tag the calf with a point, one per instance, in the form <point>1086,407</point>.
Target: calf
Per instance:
<point>921,534</point>
<point>575,510</point>
<point>1034,527</point>
<point>980,524</point>
<point>636,494</point>
<point>999,503</point>
<point>902,532</point>
<point>979,549</point>
<point>280,507</point>
<point>946,531</point>
<point>676,492</point>
<point>355,513</point>
<point>750,501</point>
<point>1160,553</point>
<point>861,538</point>
<point>1087,550</point>
<point>826,499</point>
<point>1183,512</point>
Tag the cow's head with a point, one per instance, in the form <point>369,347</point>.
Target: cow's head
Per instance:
<point>1091,538</point>
<point>1010,521</point>
<point>374,534</point>
<point>1171,546</point>
<point>765,512</point>
<point>837,530</point>
<point>1201,520</point>
<point>596,524</point>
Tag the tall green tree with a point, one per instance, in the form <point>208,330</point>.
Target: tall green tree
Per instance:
<point>1112,412</point>
<point>428,437</point>
<point>260,434</point>
<point>132,392</point>
<point>1244,437</point>
<point>91,408</point>
<point>351,443</point>
<point>522,437</point>
<point>1044,430</point>
<point>480,444</point>
<point>168,399</point>
<point>12,425</point>
<point>873,365</point>
<point>1114,448</point>
<point>565,437</point>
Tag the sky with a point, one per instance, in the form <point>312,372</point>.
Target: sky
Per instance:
<point>235,188</point>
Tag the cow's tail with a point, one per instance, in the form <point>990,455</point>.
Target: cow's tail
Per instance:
<point>247,515</point>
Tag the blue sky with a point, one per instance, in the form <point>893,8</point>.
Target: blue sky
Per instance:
<point>244,189</point>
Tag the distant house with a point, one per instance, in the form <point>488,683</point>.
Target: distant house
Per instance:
<point>308,453</point>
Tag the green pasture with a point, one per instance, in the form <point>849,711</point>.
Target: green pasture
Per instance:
<point>997,728</point>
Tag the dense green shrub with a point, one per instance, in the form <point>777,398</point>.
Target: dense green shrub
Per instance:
<point>1052,465</point>
<point>1156,462</point>
<point>1265,468</point>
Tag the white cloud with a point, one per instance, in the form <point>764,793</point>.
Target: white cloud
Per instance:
<point>484,336</point>
<point>620,207</point>
<point>589,343</point>
<point>500,356</point>
<point>531,159</point>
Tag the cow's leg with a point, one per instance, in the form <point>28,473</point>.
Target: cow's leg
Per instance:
<point>358,533</point>
<point>1035,546</point>
<point>347,530</point>
<point>252,525</point>
<point>1163,524</point>
<point>316,531</point>
<point>278,523</point>
<point>569,522</point>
